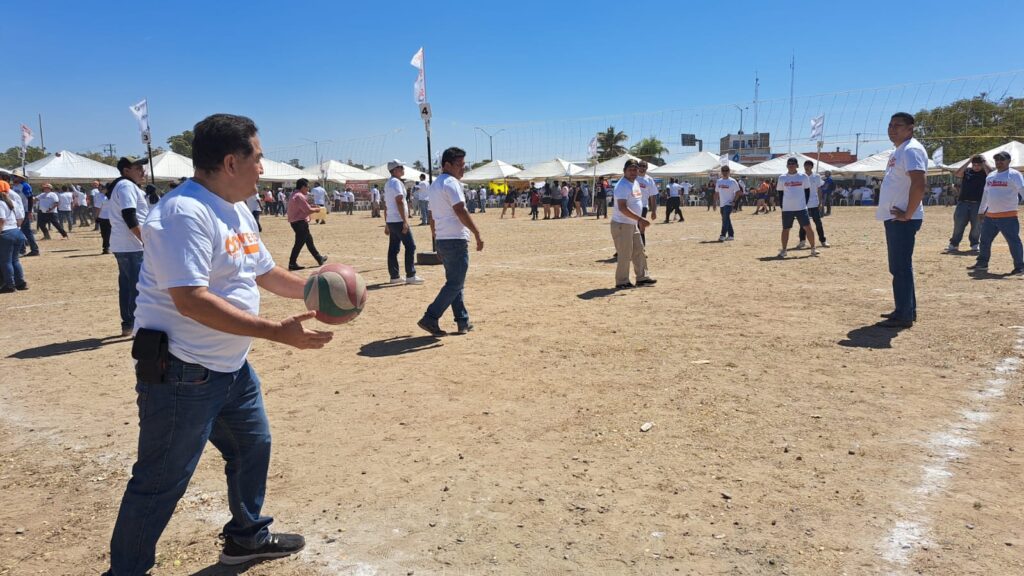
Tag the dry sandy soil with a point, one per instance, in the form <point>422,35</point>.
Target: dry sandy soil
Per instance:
<point>790,435</point>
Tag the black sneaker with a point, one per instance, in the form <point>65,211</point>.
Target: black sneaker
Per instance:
<point>22,286</point>
<point>646,282</point>
<point>978,267</point>
<point>896,323</point>
<point>322,260</point>
<point>1015,272</point>
<point>465,328</point>
<point>277,546</point>
<point>32,253</point>
<point>625,286</point>
<point>431,327</point>
<point>295,267</point>
<point>6,289</point>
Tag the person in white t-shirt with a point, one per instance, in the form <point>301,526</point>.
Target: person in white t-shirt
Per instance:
<point>1004,187</point>
<point>199,306</point>
<point>375,202</point>
<point>319,196</point>
<point>350,201</point>
<point>66,207</point>
<point>649,196</point>
<point>675,202</point>
<point>282,202</point>
<point>80,206</point>
<point>422,203</point>
<point>481,196</point>
<point>627,222</point>
<point>727,191</point>
<point>794,187</point>
<point>12,241</point>
<point>900,208</point>
<point>396,226</point>
<point>47,203</point>
<point>101,204</point>
<point>253,203</point>
<point>127,211</point>
<point>813,193</point>
<point>451,225</point>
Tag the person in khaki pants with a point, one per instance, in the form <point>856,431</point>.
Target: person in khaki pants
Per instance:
<point>627,224</point>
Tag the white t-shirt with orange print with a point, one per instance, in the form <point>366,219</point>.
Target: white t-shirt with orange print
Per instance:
<point>192,237</point>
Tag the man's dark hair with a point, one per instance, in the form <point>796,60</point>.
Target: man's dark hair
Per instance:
<point>423,176</point>
<point>978,158</point>
<point>808,162</point>
<point>217,136</point>
<point>908,118</point>
<point>451,155</point>
<point>630,164</point>
<point>301,183</point>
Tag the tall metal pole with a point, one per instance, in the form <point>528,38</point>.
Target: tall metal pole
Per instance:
<point>149,151</point>
<point>757,85</point>
<point>856,149</point>
<point>42,140</point>
<point>792,80</point>
<point>430,158</point>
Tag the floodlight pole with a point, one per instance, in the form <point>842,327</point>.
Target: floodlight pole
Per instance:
<point>490,138</point>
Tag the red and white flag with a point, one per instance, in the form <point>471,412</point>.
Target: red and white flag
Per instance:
<point>419,89</point>
<point>26,136</point>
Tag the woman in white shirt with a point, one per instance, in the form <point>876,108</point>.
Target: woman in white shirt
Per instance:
<point>12,241</point>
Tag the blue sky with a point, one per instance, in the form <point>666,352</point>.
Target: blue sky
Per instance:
<point>549,73</point>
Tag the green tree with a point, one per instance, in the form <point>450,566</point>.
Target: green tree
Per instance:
<point>969,126</point>
<point>476,165</point>
<point>609,144</point>
<point>108,160</point>
<point>295,162</point>
<point>182,143</point>
<point>649,149</point>
<point>418,165</point>
<point>12,157</point>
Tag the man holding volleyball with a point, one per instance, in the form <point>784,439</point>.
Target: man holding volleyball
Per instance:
<point>198,311</point>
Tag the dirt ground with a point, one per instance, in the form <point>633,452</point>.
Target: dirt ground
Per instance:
<point>789,436</point>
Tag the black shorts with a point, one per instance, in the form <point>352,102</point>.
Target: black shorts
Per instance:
<point>510,202</point>
<point>553,201</point>
<point>800,215</point>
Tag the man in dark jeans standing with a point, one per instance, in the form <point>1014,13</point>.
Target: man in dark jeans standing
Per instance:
<point>827,188</point>
<point>451,225</point>
<point>396,227</point>
<point>972,186</point>
<point>298,216</point>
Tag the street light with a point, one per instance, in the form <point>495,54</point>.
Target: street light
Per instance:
<point>490,138</point>
<point>316,150</point>
<point>741,116</point>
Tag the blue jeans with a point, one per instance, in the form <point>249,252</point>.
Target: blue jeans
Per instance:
<point>11,244</point>
<point>395,242</point>
<point>899,239</point>
<point>1010,229</point>
<point>30,234</point>
<point>727,230</point>
<point>966,212</point>
<point>129,264</point>
<point>455,257</point>
<point>565,207</point>
<point>424,211</point>
<point>176,418</point>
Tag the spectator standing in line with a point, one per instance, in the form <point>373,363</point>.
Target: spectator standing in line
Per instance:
<point>972,186</point>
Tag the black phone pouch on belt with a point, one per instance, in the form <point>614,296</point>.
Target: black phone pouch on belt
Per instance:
<point>151,356</point>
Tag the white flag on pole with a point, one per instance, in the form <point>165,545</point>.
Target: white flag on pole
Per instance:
<point>937,156</point>
<point>141,113</point>
<point>592,147</point>
<point>419,88</point>
<point>723,160</point>
<point>817,127</point>
<point>26,136</point>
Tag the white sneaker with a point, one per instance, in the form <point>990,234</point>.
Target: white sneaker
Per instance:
<point>975,247</point>
<point>950,248</point>
<point>782,253</point>
<point>396,281</point>
<point>814,251</point>
<point>721,238</point>
<point>729,239</point>
<point>414,280</point>
<point>824,244</point>
<point>801,245</point>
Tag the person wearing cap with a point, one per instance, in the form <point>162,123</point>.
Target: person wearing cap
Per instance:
<point>973,177</point>
<point>47,202</point>
<point>627,224</point>
<point>793,187</point>
<point>813,195</point>
<point>725,192</point>
<point>29,203</point>
<point>900,208</point>
<point>128,209</point>
<point>299,210</point>
<point>375,200</point>
<point>1004,187</point>
<point>396,226</point>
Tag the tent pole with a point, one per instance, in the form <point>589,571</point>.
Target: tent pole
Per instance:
<point>152,175</point>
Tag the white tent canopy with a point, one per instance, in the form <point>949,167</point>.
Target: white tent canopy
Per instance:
<point>876,164</point>
<point>611,167</point>
<point>496,170</point>
<point>1015,149</point>
<point>777,166</point>
<point>274,171</point>
<point>696,164</point>
<point>171,166</point>
<point>66,165</point>
<point>340,172</point>
<point>411,174</point>
<point>556,168</point>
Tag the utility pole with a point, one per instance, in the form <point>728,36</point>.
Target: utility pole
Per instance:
<point>792,82</point>
<point>319,162</point>
<point>757,86</point>
<point>490,138</point>
<point>42,140</point>
<point>741,116</point>
<point>856,149</point>
<point>110,149</point>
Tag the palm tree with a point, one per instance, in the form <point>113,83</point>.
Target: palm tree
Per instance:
<point>649,149</point>
<point>609,144</point>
